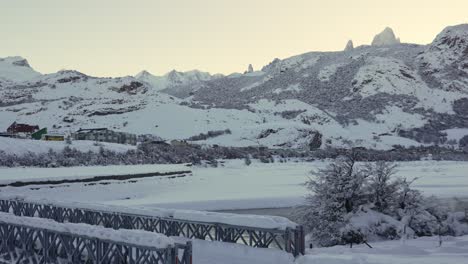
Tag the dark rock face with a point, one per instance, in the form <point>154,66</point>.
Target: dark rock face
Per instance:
<point>291,114</point>
<point>460,107</point>
<point>131,88</point>
<point>426,134</point>
<point>112,111</point>
<point>316,141</point>
<point>22,63</point>
<point>453,42</point>
<point>209,134</point>
<point>444,61</point>
<point>68,119</point>
<point>464,142</point>
<point>267,132</point>
<point>69,79</point>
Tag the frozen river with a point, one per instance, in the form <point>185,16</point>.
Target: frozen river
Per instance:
<point>232,186</point>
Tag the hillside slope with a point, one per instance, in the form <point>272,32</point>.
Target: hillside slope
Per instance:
<point>372,96</point>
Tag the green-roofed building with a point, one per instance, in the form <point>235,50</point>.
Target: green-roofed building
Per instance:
<point>38,134</point>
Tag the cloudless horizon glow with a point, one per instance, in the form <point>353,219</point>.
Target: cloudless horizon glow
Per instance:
<point>123,37</point>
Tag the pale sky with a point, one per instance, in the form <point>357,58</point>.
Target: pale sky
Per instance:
<point>117,37</point>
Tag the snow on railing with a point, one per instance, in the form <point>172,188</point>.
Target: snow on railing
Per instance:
<point>36,240</point>
<point>257,221</point>
<point>255,231</point>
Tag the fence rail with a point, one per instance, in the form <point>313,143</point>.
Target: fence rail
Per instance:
<point>290,240</point>
<point>21,243</point>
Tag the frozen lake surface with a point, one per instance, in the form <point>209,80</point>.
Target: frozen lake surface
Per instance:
<point>232,186</point>
<point>256,189</point>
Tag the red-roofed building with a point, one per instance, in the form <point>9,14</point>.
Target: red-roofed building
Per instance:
<point>16,128</point>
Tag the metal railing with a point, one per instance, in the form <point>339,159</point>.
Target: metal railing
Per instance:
<point>21,243</point>
<point>290,239</point>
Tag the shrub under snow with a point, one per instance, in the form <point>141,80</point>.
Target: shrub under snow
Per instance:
<point>355,204</point>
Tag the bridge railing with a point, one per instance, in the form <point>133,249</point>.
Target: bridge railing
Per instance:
<point>27,242</point>
<point>288,239</point>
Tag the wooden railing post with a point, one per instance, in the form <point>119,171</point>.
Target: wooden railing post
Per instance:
<point>188,253</point>
<point>287,239</point>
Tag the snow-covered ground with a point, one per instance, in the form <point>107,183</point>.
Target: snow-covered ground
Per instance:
<point>425,250</point>
<point>15,146</point>
<point>20,174</point>
<point>205,252</point>
<point>256,186</point>
<point>19,72</point>
<point>454,250</point>
<point>176,121</point>
<point>233,186</point>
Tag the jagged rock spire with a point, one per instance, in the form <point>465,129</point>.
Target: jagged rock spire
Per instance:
<point>349,45</point>
<point>250,68</point>
<point>385,38</point>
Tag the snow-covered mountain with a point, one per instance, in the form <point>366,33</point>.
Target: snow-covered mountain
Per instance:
<point>385,38</point>
<point>445,61</point>
<point>175,79</point>
<point>14,70</point>
<point>374,96</point>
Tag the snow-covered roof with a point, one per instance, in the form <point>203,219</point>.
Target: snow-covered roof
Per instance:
<point>87,130</point>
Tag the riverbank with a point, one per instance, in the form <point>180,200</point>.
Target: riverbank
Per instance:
<point>455,204</point>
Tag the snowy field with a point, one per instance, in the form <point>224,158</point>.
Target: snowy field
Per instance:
<point>26,174</point>
<point>425,250</point>
<point>237,186</point>
<point>15,146</point>
<point>233,186</point>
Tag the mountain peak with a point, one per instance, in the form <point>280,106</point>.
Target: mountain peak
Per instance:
<point>143,74</point>
<point>16,69</point>
<point>385,38</point>
<point>174,75</point>
<point>446,60</point>
<point>70,72</point>
<point>453,37</point>
<point>349,45</point>
<point>249,69</point>
<point>16,61</point>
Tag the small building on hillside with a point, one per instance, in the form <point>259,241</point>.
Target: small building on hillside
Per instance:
<point>149,138</point>
<point>53,137</point>
<point>105,135</point>
<point>38,134</point>
<point>25,129</point>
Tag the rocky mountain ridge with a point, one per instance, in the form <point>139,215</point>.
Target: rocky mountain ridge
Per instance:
<point>375,96</point>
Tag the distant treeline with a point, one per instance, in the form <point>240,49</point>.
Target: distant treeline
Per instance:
<point>153,153</point>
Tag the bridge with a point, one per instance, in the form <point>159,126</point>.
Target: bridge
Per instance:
<point>33,240</point>
<point>289,238</point>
